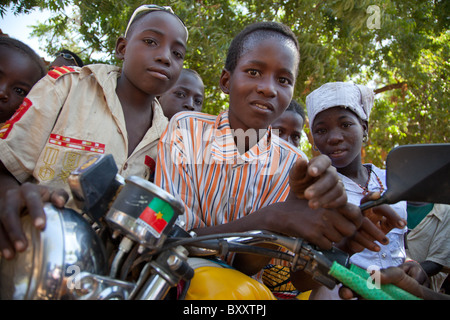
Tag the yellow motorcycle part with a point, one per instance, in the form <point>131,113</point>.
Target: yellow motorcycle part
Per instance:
<point>215,283</point>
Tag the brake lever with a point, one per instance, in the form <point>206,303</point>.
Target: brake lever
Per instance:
<point>318,263</point>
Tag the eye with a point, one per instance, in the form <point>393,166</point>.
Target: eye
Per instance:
<point>296,138</point>
<point>178,54</point>
<point>198,102</point>
<point>320,131</point>
<point>180,94</point>
<point>20,92</point>
<point>150,42</point>
<point>253,72</point>
<point>347,124</point>
<point>285,81</point>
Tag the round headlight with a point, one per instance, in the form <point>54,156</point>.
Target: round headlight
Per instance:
<point>49,266</point>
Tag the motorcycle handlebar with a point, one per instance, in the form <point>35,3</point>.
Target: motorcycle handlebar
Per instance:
<point>328,263</point>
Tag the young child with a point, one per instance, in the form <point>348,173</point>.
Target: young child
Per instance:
<point>233,174</point>
<point>20,69</point>
<point>75,113</point>
<point>186,95</point>
<point>66,58</point>
<point>339,114</point>
<point>289,125</point>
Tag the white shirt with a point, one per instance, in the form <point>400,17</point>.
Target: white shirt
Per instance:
<point>392,254</point>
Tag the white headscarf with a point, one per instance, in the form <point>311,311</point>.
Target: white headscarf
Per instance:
<point>357,98</point>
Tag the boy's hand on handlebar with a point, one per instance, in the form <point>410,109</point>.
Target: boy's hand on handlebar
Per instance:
<point>318,182</point>
<point>322,227</point>
<point>27,198</point>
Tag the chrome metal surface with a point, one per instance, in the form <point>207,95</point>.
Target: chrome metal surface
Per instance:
<point>47,269</point>
<point>153,188</point>
<point>132,200</point>
<point>95,287</point>
<point>131,227</point>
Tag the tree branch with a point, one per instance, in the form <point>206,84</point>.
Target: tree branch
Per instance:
<point>390,87</point>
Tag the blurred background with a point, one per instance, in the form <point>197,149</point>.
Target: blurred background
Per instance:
<point>399,48</point>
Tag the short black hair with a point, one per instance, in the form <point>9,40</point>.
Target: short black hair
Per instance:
<point>80,62</point>
<point>296,106</point>
<point>140,15</point>
<point>23,48</point>
<point>260,29</point>
<point>193,72</point>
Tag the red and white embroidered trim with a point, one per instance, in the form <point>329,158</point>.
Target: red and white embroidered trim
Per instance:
<point>72,143</point>
<point>7,127</point>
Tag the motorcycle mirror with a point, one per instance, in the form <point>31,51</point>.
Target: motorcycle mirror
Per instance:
<point>419,173</point>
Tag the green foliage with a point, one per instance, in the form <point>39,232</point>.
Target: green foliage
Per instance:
<point>401,45</point>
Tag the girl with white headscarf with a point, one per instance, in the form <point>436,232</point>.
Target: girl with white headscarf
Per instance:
<point>339,114</point>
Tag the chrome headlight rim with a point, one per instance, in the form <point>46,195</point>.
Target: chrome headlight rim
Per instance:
<point>46,270</point>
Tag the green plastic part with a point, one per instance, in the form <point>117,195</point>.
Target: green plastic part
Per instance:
<point>395,292</point>
<point>357,279</point>
<point>359,271</point>
<point>358,284</point>
<point>398,293</point>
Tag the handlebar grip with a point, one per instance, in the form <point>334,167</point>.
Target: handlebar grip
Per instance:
<point>355,282</point>
<point>391,289</point>
<point>386,292</point>
<point>398,293</point>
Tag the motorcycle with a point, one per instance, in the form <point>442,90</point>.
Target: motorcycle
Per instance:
<point>139,250</point>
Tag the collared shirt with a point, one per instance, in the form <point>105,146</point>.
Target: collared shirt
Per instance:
<point>429,241</point>
<point>392,254</point>
<point>199,163</point>
<point>69,116</point>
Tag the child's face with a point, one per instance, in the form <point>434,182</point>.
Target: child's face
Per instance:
<point>289,126</point>
<point>18,74</point>
<point>186,95</point>
<point>153,52</point>
<point>262,84</point>
<point>338,133</point>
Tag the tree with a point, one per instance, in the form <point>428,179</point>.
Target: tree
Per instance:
<point>398,47</point>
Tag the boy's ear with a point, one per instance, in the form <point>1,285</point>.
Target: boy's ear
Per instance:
<point>121,44</point>
<point>225,81</point>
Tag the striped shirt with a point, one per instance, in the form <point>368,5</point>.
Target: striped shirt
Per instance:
<point>199,163</point>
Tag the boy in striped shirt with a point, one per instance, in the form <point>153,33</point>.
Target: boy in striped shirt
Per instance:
<point>234,175</point>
